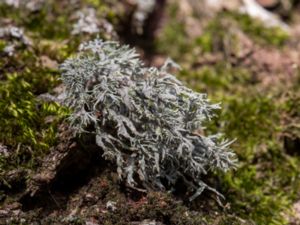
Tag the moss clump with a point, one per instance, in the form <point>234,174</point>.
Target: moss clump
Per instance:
<point>254,120</point>
<point>260,191</point>
<point>225,25</point>
<point>267,35</point>
<point>51,21</point>
<point>173,34</point>
<point>2,45</point>
<point>216,79</point>
<point>27,126</point>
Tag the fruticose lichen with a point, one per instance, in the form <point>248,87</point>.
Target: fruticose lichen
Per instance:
<point>144,119</point>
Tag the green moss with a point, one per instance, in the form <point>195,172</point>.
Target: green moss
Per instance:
<point>56,50</point>
<point>260,191</point>
<point>205,41</point>
<point>27,126</point>
<point>215,34</point>
<point>252,119</point>
<point>2,45</point>
<point>94,3</point>
<point>257,190</point>
<point>269,35</point>
<point>215,79</point>
<point>220,34</point>
<point>54,27</point>
<point>173,38</point>
<point>51,21</point>
<point>221,28</point>
<point>10,12</point>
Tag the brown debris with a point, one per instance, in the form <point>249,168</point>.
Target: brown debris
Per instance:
<point>271,66</point>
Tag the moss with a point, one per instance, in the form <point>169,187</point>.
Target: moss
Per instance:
<point>56,50</point>
<point>220,34</point>
<point>28,127</point>
<point>51,21</point>
<point>94,3</point>
<point>254,121</point>
<point>54,27</point>
<point>173,34</point>
<point>255,190</point>
<point>2,45</point>
<point>215,33</point>
<point>269,35</point>
<point>260,190</point>
<point>9,12</point>
<point>216,79</point>
<point>221,28</point>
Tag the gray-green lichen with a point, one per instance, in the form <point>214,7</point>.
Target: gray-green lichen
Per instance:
<point>144,119</point>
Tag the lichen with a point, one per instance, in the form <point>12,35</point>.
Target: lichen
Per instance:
<point>143,118</point>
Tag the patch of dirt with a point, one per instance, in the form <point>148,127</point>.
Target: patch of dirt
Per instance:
<point>273,67</point>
